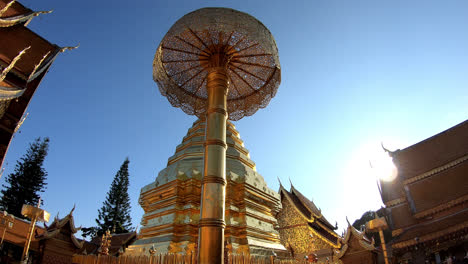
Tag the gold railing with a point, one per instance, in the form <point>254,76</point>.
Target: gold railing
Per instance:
<point>178,259</point>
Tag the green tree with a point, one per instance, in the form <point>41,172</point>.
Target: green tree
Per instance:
<point>28,179</point>
<point>114,214</point>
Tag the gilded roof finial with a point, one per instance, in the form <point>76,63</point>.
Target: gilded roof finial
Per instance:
<point>73,209</point>
<point>63,49</point>
<point>281,185</point>
<point>390,153</point>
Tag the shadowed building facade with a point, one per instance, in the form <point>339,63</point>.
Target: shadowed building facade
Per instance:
<point>172,202</point>
<point>427,204</point>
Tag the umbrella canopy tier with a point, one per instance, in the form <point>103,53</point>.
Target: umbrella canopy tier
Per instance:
<point>212,38</point>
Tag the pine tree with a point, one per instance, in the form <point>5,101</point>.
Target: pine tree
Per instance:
<point>28,179</point>
<point>114,214</point>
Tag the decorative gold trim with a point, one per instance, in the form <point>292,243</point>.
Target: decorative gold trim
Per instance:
<point>7,69</point>
<point>215,142</point>
<point>5,8</point>
<point>431,236</point>
<point>218,110</point>
<point>213,179</point>
<point>11,21</point>
<point>395,202</point>
<point>442,207</point>
<point>324,239</point>
<point>30,77</point>
<point>397,232</point>
<point>212,222</point>
<point>436,170</point>
<point>326,228</point>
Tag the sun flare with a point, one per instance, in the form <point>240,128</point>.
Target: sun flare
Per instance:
<point>370,162</point>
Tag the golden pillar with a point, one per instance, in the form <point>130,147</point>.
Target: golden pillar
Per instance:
<point>213,194</point>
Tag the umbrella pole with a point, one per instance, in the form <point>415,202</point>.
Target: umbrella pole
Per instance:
<point>213,192</point>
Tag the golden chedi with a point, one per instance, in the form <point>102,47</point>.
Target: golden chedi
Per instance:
<point>172,202</point>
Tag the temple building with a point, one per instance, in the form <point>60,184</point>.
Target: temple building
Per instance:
<point>14,232</point>
<point>427,204</point>
<point>25,58</point>
<point>172,202</point>
<point>58,243</point>
<point>356,249</point>
<point>303,229</point>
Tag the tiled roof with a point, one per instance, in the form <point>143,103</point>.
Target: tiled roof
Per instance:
<point>432,152</point>
<point>54,229</point>
<point>311,207</point>
<point>311,212</point>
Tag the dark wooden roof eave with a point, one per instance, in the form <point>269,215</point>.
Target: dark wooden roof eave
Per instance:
<point>14,112</point>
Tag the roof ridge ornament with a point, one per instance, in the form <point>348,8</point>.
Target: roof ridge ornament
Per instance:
<point>63,49</point>
<point>4,9</point>
<point>390,153</point>
<point>73,209</point>
<point>26,17</point>
<point>30,77</point>
<point>281,185</point>
<point>12,63</point>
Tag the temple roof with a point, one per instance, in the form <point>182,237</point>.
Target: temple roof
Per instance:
<point>432,152</point>
<point>312,214</point>
<point>363,241</point>
<point>58,224</point>
<point>25,58</point>
<point>306,206</point>
<point>431,177</point>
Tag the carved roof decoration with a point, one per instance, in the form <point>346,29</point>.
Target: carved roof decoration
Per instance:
<point>364,242</point>
<point>13,13</point>
<point>54,229</point>
<point>119,242</point>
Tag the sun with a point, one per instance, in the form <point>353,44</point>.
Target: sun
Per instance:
<point>371,162</point>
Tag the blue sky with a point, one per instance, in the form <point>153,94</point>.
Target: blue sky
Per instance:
<point>354,74</point>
